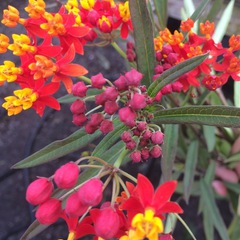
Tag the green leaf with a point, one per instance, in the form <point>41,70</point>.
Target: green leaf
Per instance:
<point>236,93</point>
<point>223,23</point>
<point>202,6</point>
<point>161,11</point>
<point>221,116</point>
<point>208,225</point>
<point>189,173</point>
<point>109,139</point>
<point>235,187</point>
<point>215,9</point>
<point>174,73</point>
<point>169,150</point>
<point>233,158</point>
<point>209,135</point>
<point>211,207</point>
<point>234,229</point>
<point>59,148</point>
<point>143,36</point>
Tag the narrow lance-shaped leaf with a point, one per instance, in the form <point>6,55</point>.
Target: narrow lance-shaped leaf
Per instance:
<point>173,73</point>
<point>58,149</point>
<point>143,36</point>
<point>220,116</point>
<point>197,13</point>
<point>210,205</point>
<point>189,173</point>
<point>161,10</point>
<point>169,150</point>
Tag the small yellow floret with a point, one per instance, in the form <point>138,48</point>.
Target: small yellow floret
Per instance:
<point>10,17</point>
<point>22,100</point>
<point>35,8</point>
<point>8,71</point>
<point>87,4</point>
<point>124,11</point>
<point>4,43</point>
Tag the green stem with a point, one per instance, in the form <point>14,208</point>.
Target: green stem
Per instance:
<point>120,158</point>
<point>85,79</point>
<point>124,186</point>
<point>127,175</point>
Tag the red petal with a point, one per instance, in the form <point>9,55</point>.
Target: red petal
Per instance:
<point>132,204</point>
<point>67,81</point>
<point>49,89</point>
<point>78,31</point>
<point>170,207</point>
<point>50,102</point>
<point>49,51</point>
<point>73,70</point>
<point>164,193</point>
<point>68,57</point>
<point>124,31</point>
<point>84,229</point>
<point>145,190</point>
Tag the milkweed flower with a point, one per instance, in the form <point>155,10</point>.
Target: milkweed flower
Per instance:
<point>145,208</point>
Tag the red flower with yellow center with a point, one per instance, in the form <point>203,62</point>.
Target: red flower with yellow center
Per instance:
<point>145,208</point>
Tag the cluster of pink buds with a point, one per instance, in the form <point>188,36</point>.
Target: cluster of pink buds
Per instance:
<point>131,55</point>
<point>127,96</point>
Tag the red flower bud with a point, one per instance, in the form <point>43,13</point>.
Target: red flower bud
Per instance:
<point>138,101</point>
<point>98,81</point>
<point>166,66</point>
<point>127,116</point>
<point>157,137</point>
<point>159,56</point>
<point>126,136</point>
<point>158,97</point>
<point>131,145</point>
<point>147,134</point>
<point>90,193</point>
<point>78,107</point>
<point>145,153</point>
<point>49,211</point>
<point>93,17</point>
<point>156,151</point>
<point>177,87</point>
<point>121,83</point>
<point>74,207</point>
<point>166,89</point>
<point>107,223</point>
<point>136,156</point>
<point>90,129</point>
<point>158,69</point>
<point>79,119</point>
<point>96,119</point>
<point>167,49</point>
<point>100,99</point>
<point>106,126</point>
<point>39,191</point>
<point>110,107</point>
<point>133,77</point>
<point>111,93</point>
<point>79,89</point>
<point>172,58</point>
<point>67,175</point>
<point>141,126</point>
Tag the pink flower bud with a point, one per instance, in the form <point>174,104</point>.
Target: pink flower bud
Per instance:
<point>90,129</point>
<point>126,136</point>
<point>143,142</point>
<point>166,89</point>
<point>166,66</point>
<point>67,175</point>
<point>106,126</point>
<point>138,101</point>
<point>145,153</point>
<point>219,188</point>
<point>158,97</point>
<point>157,137</point>
<point>141,126</point>
<point>177,87</point>
<point>131,145</point>
<point>93,17</point>
<point>147,134</point>
<point>130,45</point>
<point>159,56</point>
<point>110,107</point>
<point>121,83</point>
<point>127,116</point>
<point>39,191</point>
<point>136,132</point>
<point>96,119</point>
<point>74,207</point>
<point>90,193</point>
<point>133,77</point>
<point>156,151</point>
<point>136,156</point>
<point>172,58</point>
<point>79,119</point>
<point>158,69</point>
<point>107,223</point>
<point>49,211</point>
<point>79,89</point>
<point>78,107</point>
<point>111,93</point>
<point>167,49</point>
<point>100,99</point>
<point>98,81</point>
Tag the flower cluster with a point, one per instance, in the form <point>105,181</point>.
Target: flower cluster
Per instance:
<point>173,48</point>
<point>136,214</point>
<point>44,65</point>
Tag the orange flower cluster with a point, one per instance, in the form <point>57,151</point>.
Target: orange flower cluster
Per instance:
<point>174,48</point>
<point>43,64</point>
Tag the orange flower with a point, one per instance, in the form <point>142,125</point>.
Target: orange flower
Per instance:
<point>207,28</point>
<point>187,25</point>
<point>10,17</point>
<point>8,72</point>
<point>4,43</point>
<point>35,8</point>
<point>234,43</point>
